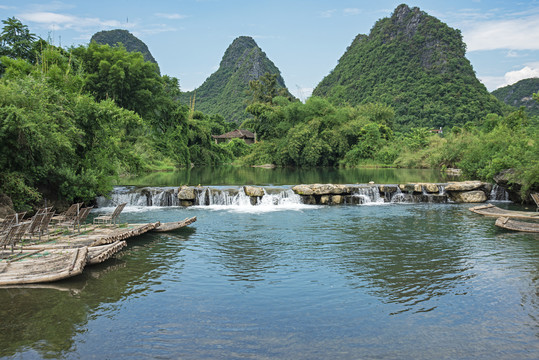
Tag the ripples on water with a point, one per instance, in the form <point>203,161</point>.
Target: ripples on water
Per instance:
<point>298,282</point>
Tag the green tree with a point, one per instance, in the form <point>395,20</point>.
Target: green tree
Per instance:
<point>16,40</point>
<point>114,73</point>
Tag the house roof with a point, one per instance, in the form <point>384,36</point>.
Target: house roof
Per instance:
<point>238,133</point>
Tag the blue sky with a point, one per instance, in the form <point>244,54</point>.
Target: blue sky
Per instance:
<point>304,38</point>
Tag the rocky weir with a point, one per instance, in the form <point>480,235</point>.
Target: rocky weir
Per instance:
<point>308,194</point>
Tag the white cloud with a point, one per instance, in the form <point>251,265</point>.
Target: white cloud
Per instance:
<point>530,70</point>
<point>48,17</point>
<point>62,21</point>
<point>512,54</point>
<point>154,30</point>
<point>171,16</point>
<point>514,34</point>
<point>352,11</point>
<point>327,13</point>
<point>492,82</point>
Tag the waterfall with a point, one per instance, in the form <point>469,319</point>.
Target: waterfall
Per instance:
<point>207,196</point>
<point>147,196</point>
<point>271,198</point>
<point>498,193</point>
<point>398,196</point>
<point>367,195</point>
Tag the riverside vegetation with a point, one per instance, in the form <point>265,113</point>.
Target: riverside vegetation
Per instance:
<point>73,120</point>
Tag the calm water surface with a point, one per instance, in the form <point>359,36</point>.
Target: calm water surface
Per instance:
<point>399,281</point>
<point>234,175</point>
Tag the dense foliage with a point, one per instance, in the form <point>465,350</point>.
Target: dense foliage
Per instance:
<point>73,120</point>
<point>497,143</point>
<point>416,64</point>
<point>319,133</point>
<point>520,94</point>
<point>225,92</point>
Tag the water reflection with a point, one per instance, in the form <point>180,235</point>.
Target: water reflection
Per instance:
<point>408,260</point>
<point>45,318</point>
<point>234,175</point>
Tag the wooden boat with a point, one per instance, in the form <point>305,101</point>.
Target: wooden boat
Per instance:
<point>98,254</point>
<point>170,226</point>
<point>509,224</point>
<point>37,266</point>
<point>494,211</point>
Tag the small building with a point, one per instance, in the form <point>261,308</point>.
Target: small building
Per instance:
<point>246,135</point>
<point>437,131</point>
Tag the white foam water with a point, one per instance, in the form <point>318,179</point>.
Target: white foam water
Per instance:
<point>369,195</point>
<point>240,202</point>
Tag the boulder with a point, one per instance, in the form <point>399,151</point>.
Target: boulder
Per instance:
<point>464,185</point>
<point>340,189</point>
<point>186,202</point>
<point>503,178</point>
<point>388,188</point>
<point>308,200</point>
<point>411,188</point>
<point>253,191</point>
<point>474,196</point>
<point>186,193</point>
<point>337,199</point>
<point>431,188</point>
<point>322,189</point>
<point>303,190</point>
<point>324,199</point>
<point>352,200</point>
<point>508,180</point>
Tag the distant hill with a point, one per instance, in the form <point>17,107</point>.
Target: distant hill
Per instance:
<point>130,41</point>
<point>415,63</point>
<point>520,94</point>
<point>225,91</point>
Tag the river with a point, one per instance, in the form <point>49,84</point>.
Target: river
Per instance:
<point>372,281</point>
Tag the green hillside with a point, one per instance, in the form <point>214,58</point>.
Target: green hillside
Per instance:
<point>415,63</point>
<point>130,41</point>
<point>225,92</point>
<point>520,94</point>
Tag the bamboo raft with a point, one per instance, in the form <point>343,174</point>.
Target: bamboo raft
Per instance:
<point>98,254</point>
<point>94,235</point>
<point>509,224</point>
<point>65,255</point>
<point>494,211</point>
<point>30,267</point>
<point>170,226</point>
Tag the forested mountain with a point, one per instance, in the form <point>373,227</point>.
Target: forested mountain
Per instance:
<point>520,94</point>
<point>416,64</point>
<point>226,91</point>
<point>130,41</point>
